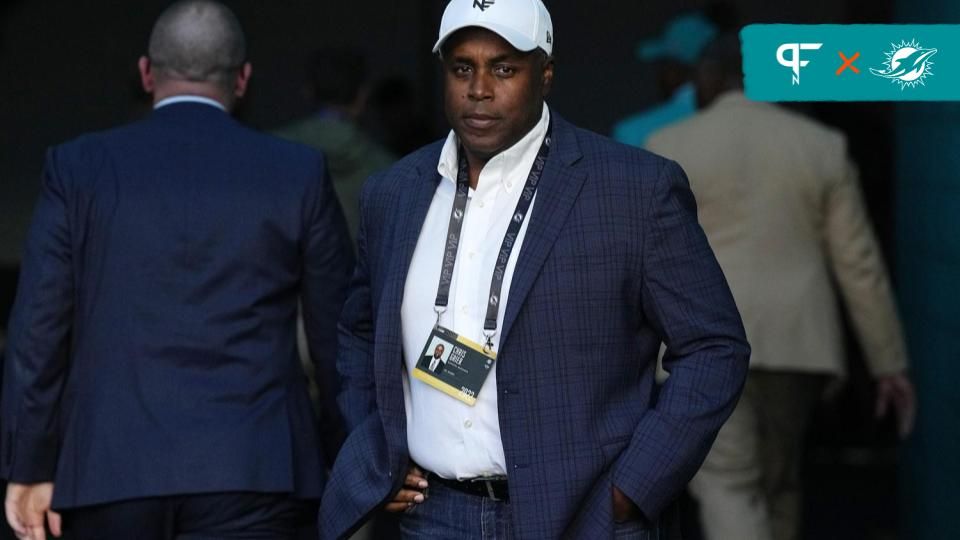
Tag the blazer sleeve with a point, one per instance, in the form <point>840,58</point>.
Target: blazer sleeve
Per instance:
<point>38,348</point>
<point>685,298</point>
<point>857,263</point>
<point>355,364</point>
<point>328,261</point>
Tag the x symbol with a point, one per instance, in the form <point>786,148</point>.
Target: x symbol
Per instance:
<point>848,63</point>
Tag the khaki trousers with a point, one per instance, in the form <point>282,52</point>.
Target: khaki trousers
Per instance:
<point>749,486</point>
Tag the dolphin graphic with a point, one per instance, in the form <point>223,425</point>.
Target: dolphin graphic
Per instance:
<point>907,64</point>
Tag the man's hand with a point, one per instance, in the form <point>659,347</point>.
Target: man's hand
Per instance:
<point>411,493</point>
<point>623,507</point>
<point>27,506</point>
<point>896,391</point>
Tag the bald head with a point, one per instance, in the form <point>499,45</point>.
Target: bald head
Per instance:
<point>197,41</point>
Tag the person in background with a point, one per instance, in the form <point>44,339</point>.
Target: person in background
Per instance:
<point>673,53</point>
<point>337,85</point>
<point>152,388</point>
<point>780,201</point>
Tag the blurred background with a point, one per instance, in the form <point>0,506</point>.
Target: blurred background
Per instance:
<point>70,67</point>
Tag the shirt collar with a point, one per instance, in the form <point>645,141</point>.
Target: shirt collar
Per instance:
<point>189,99</point>
<point>448,165</point>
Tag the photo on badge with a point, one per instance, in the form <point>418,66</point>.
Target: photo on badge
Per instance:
<point>436,355</point>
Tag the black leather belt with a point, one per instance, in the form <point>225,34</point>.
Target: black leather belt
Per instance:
<point>493,488</point>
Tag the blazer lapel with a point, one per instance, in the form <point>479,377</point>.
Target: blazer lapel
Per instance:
<point>411,211</point>
<point>556,195</point>
<point>413,208</point>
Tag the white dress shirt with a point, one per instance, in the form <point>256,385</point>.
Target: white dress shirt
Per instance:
<point>187,98</point>
<point>444,435</point>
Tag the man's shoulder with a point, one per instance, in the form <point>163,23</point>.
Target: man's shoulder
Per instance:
<point>612,157</point>
<point>144,142</point>
<point>749,130</point>
<point>87,149</point>
<point>226,135</point>
<point>740,114</point>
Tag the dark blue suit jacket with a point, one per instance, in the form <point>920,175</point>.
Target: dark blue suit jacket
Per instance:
<point>613,263</point>
<point>152,347</point>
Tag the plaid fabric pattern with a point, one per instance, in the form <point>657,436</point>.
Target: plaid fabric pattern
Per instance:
<point>614,263</point>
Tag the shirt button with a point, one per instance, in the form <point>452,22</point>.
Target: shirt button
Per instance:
<point>465,310</point>
<point>467,424</point>
<point>481,204</point>
<point>509,185</point>
<point>470,255</point>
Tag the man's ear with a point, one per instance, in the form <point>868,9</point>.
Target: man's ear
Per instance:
<point>147,79</point>
<point>243,80</point>
<point>547,75</point>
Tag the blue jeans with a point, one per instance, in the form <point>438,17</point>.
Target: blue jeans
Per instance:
<point>451,514</point>
<point>448,513</point>
<point>633,530</point>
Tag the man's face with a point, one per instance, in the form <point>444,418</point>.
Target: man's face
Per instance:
<point>493,92</point>
<point>438,352</point>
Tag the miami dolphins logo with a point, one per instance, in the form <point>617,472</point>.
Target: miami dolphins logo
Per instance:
<point>908,64</point>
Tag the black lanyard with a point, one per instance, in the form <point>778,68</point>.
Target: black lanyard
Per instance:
<point>506,248</point>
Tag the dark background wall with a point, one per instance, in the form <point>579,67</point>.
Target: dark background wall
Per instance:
<point>69,67</point>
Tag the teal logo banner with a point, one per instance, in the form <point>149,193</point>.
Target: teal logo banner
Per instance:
<point>855,62</point>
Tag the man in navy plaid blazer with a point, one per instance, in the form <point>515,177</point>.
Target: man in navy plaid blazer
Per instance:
<point>610,264</point>
<point>152,387</point>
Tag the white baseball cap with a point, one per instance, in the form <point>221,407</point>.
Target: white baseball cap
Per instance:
<point>525,24</point>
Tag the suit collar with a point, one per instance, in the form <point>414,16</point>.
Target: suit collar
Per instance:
<point>185,111</point>
<point>172,100</point>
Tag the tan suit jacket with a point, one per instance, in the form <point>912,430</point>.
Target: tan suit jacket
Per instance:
<point>781,205</point>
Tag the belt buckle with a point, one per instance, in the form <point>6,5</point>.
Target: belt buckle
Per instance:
<point>490,491</point>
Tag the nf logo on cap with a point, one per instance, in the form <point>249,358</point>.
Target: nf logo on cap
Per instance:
<point>483,4</point>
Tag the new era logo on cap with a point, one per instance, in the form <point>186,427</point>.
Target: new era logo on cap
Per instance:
<point>483,4</point>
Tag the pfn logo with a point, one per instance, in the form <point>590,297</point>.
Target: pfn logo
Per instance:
<point>794,62</point>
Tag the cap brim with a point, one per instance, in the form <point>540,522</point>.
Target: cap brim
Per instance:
<point>519,41</point>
